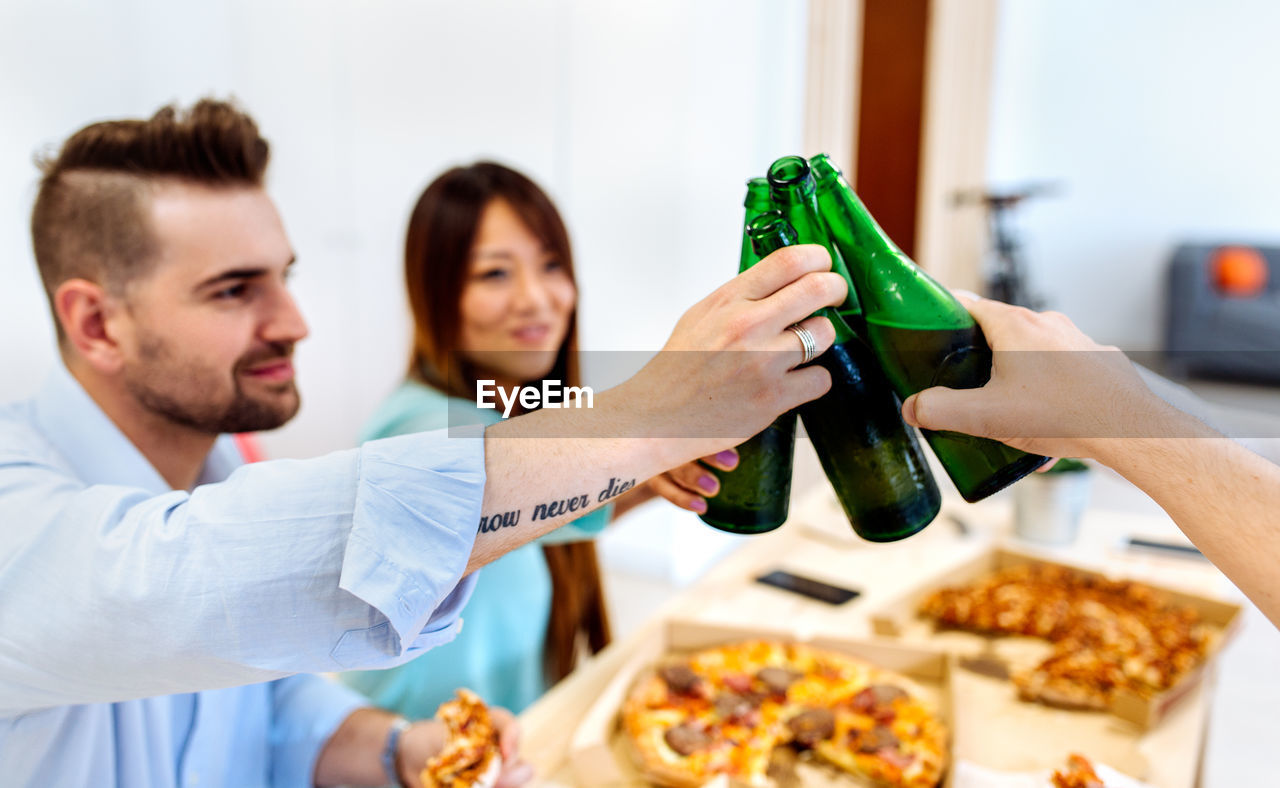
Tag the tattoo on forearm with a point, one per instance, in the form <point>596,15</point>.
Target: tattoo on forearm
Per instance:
<point>493,522</point>
<point>616,487</point>
<point>549,511</point>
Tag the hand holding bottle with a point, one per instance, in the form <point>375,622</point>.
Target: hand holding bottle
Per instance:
<point>921,335</point>
<point>1053,390</point>
<point>871,459</point>
<point>727,371</point>
<point>757,497</point>
<point>705,385</point>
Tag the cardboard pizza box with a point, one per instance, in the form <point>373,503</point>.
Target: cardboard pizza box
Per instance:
<point>993,728</point>
<point>599,752</point>
<point>898,619</point>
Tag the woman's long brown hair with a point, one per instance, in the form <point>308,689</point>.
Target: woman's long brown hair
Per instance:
<point>441,232</point>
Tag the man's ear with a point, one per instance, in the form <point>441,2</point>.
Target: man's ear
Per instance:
<point>86,312</point>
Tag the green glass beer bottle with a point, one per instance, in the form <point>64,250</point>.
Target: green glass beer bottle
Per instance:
<point>756,495</point>
<point>921,335</point>
<point>793,189</point>
<point>758,200</point>
<point>870,456</point>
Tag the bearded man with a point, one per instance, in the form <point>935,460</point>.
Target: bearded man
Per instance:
<point>159,602</point>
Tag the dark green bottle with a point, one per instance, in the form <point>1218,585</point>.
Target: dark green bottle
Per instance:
<point>758,200</point>
<point>793,189</point>
<point>870,456</point>
<point>756,495</point>
<point>920,333</point>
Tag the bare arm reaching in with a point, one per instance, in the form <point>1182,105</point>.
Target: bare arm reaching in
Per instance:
<point>1055,391</point>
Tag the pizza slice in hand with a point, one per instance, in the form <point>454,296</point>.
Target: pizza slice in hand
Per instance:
<point>470,758</point>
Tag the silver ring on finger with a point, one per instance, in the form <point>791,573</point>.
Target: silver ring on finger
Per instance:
<point>807,343</point>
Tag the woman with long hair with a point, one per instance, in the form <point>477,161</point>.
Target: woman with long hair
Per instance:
<point>489,275</point>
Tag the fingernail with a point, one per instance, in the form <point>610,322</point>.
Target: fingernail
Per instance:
<point>699,505</point>
<point>967,294</point>
<point>728,458</point>
<point>909,411</point>
<point>708,483</point>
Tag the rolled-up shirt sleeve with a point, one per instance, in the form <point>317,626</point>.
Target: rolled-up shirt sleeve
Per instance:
<point>397,571</point>
<point>352,560</point>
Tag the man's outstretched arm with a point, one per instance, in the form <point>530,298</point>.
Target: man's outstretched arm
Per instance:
<point>356,559</point>
<point>725,373</point>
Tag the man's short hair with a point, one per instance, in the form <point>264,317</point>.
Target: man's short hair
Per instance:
<point>90,218</point>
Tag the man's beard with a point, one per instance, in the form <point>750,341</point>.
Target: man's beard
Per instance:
<point>182,404</point>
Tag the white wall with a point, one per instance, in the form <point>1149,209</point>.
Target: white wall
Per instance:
<point>1161,118</point>
<point>642,119</point>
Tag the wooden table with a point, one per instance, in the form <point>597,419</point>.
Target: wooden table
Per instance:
<point>815,542</point>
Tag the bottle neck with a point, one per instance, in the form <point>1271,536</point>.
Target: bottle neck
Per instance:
<point>759,197</point>
<point>759,200</point>
<point>867,235</point>
<point>894,289</point>
<point>802,211</point>
<point>797,192</point>
<point>771,235</point>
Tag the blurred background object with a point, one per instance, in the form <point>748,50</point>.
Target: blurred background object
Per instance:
<point>1222,319</point>
<point>1048,506</point>
<point>1005,277</point>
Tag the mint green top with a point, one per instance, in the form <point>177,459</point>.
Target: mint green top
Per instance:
<point>499,652</point>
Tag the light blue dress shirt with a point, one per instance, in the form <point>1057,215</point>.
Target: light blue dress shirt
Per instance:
<point>138,624</point>
<point>499,654</point>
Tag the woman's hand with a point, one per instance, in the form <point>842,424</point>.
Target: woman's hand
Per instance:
<point>515,770</point>
<point>424,740</point>
<point>687,486</point>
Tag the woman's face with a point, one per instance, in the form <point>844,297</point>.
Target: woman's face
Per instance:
<point>516,299</point>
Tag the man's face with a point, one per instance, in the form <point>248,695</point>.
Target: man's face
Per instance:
<point>207,335</point>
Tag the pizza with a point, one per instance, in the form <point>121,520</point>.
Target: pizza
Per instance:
<point>725,710</point>
<point>470,757</point>
<point>1107,635</point>
<point>1078,773</point>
